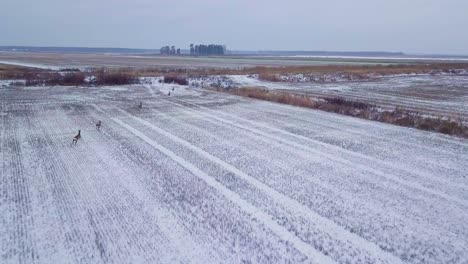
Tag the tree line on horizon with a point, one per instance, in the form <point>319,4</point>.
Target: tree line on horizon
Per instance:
<point>166,50</point>
<point>196,50</point>
<point>205,50</point>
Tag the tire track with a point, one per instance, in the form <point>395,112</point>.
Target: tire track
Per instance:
<point>330,227</point>
<point>304,248</point>
<point>213,228</point>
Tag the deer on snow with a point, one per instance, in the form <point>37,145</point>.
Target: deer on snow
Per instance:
<point>140,105</point>
<point>98,125</point>
<point>77,137</point>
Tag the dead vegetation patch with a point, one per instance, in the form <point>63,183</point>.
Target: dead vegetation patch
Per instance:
<point>103,77</point>
<point>176,79</point>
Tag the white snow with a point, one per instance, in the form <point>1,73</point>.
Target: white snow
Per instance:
<point>206,177</point>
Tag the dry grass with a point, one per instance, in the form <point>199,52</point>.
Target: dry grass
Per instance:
<point>9,72</point>
<point>273,74</point>
<point>77,78</point>
<point>175,78</point>
<point>282,98</point>
<point>266,73</point>
<point>104,77</point>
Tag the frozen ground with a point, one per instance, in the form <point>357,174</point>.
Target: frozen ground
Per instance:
<point>442,95</point>
<point>202,177</point>
<point>68,60</point>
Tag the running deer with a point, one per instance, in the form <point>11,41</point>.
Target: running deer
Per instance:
<point>77,137</point>
<point>98,125</point>
<point>140,105</point>
<point>169,94</point>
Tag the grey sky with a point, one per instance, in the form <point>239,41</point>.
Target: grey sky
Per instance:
<point>414,26</point>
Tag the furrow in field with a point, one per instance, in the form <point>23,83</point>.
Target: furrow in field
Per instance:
<point>17,218</point>
<point>71,193</point>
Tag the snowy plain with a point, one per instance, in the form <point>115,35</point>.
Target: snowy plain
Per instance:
<point>444,95</point>
<point>205,177</point>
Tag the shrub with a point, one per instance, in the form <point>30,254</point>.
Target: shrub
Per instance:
<point>344,102</point>
<point>72,79</point>
<point>175,79</point>
<point>114,78</point>
<point>54,78</point>
<point>265,76</point>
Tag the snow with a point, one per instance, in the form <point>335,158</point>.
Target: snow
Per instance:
<point>438,95</point>
<point>206,177</point>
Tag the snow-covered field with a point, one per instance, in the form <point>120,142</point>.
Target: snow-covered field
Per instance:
<point>203,177</point>
<point>442,95</point>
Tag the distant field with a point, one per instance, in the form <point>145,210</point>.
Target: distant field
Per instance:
<point>440,95</point>
<point>63,60</point>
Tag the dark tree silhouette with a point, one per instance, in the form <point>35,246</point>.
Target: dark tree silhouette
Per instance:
<point>207,50</point>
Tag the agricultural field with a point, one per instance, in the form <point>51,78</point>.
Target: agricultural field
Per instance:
<point>439,95</point>
<point>197,176</point>
<point>67,60</point>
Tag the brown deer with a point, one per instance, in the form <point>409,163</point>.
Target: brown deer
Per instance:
<point>98,125</point>
<point>77,137</point>
<point>140,105</point>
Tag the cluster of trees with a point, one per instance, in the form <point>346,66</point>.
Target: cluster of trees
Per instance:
<point>196,50</point>
<point>166,50</point>
<point>204,50</point>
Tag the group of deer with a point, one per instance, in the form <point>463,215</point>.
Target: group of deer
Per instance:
<point>78,136</point>
<point>98,124</point>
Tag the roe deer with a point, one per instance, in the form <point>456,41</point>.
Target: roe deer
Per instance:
<point>77,137</point>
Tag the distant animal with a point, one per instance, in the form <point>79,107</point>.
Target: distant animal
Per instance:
<point>140,105</point>
<point>172,88</point>
<point>169,94</point>
<point>98,125</point>
<point>77,137</point>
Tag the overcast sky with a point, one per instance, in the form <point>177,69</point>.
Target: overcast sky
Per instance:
<point>413,26</point>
